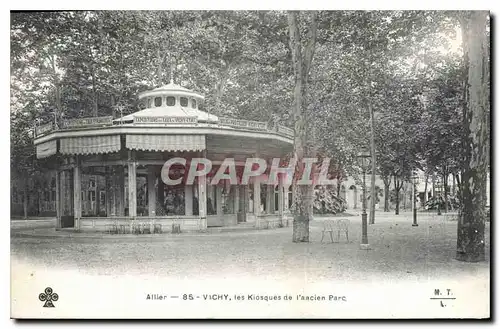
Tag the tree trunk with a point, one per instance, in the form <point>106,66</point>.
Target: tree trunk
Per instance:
<point>433,187</point>
<point>159,68</point>
<point>404,196</point>
<point>374,164</point>
<point>397,188</point>
<point>387,186</point>
<point>453,186</point>
<point>386,199</point>
<point>471,223</point>
<point>457,177</point>
<point>25,199</point>
<point>445,187</point>
<point>95,110</point>
<point>301,65</point>
<point>339,184</point>
<point>425,187</point>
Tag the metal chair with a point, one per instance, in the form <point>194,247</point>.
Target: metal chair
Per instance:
<point>146,228</point>
<point>328,226</point>
<point>343,226</point>
<point>157,228</point>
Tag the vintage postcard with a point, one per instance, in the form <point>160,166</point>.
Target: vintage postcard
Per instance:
<point>250,164</point>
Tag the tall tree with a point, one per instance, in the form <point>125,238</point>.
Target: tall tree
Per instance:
<point>471,223</point>
<point>302,57</point>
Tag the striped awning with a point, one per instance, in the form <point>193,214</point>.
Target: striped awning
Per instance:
<point>166,142</point>
<point>46,149</point>
<point>90,144</point>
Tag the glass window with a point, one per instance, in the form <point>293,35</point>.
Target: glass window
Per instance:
<point>149,102</point>
<point>170,101</point>
<point>157,101</point>
<point>184,101</point>
<point>193,103</point>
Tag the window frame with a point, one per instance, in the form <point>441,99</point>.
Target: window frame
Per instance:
<point>170,97</point>
<point>156,103</point>
<point>187,101</point>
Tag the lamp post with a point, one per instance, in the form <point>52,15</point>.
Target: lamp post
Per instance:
<point>363,158</point>
<point>415,177</point>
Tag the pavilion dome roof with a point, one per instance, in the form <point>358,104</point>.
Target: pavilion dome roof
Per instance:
<point>172,110</point>
<point>171,89</point>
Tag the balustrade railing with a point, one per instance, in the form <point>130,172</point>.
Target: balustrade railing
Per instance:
<point>148,120</point>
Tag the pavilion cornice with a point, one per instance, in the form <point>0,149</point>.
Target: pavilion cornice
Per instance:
<point>228,127</point>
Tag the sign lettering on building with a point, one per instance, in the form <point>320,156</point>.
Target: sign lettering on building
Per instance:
<point>166,120</point>
<point>86,122</point>
<point>44,129</point>
<point>248,124</point>
<point>285,131</point>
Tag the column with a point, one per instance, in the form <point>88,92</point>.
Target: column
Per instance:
<point>115,197</point>
<point>287,198</point>
<point>202,202</point>
<point>58,198</point>
<point>161,190</point>
<point>77,189</point>
<point>188,200</point>
<point>256,201</point>
<point>151,191</point>
<point>236,189</point>
<point>132,186</point>
<point>120,191</point>
<point>273,200</point>
<point>269,193</point>
<point>210,190</point>
<point>108,186</point>
<point>281,200</point>
<point>218,197</point>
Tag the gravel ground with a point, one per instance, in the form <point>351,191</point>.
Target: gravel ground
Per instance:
<point>399,252</point>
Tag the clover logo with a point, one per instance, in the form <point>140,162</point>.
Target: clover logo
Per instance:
<point>48,297</point>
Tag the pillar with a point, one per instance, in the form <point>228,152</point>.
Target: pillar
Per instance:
<point>218,197</point>
<point>256,201</point>
<point>236,198</point>
<point>269,193</point>
<point>273,200</point>
<point>202,202</point>
<point>77,195</point>
<point>120,191</point>
<point>210,190</point>
<point>58,198</point>
<point>161,190</point>
<point>132,186</point>
<point>281,200</point>
<point>188,200</point>
<point>116,176</point>
<point>108,188</point>
<point>287,198</point>
<point>151,191</point>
